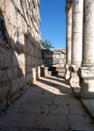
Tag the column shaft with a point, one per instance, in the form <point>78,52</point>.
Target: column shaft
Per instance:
<point>68,38</point>
<point>88,35</point>
<point>68,32</point>
<point>77,30</point>
<point>86,72</point>
<point>77,22</point>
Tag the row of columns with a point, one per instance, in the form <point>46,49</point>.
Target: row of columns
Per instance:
<point>80,47</point>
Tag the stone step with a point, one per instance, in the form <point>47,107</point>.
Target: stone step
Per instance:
<point>57,69</point>
<point>57,73</point>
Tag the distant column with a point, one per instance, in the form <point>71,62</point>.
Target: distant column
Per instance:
<point>68,37</point>
<point>77,31</point>
<point>68,32</point>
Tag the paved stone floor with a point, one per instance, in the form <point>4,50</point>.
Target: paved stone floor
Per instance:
<point>48,105</point>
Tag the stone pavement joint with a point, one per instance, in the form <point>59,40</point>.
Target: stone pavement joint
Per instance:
<point>48,105</point>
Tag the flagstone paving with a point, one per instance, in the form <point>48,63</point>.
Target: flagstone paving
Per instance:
<point>48,105</point>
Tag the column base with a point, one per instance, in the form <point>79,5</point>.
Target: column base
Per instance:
<point>86,75</point>
<point>74,80</point>
<point>67,73</point>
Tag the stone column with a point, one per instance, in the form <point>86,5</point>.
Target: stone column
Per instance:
<point>86,72</point>
<point>68,38</point>
<point>77,24</point>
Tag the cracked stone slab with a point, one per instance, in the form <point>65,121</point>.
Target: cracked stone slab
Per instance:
<point>81,122</point>
<point>89,106</point>
<point>76,109</point>
<point>73,101</point>
<point>52,121</point>
<point>59,109</point>
<point>18,120</point>
<point>22,129</point>
<point>62,100</point>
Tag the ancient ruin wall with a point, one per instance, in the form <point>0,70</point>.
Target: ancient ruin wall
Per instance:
<point>54,57</point>
<point>20,51</point>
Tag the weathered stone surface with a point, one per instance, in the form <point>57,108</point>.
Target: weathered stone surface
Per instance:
<point>54,57</point>
<point>89,105</point>
<point>43,107</point>
<point>77,24</point>
<point>2,62</point>
<point>15,59</point>
<point>7,57</point>
<point>68,31</point>
<point>15,86</point>
<point>54,121</point>
<point>19,45</point>
<point>86,72</point>
<point>3,77</point>
<point>22,82</point>
<point>34,74</point>
<point>76,47</point>
<point>9,73</point>
<point>88,39</point>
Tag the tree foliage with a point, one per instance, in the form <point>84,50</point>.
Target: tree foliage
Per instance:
<point>46,44</point>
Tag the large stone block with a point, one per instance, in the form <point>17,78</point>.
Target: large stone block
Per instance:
<point>22,42</point>
<point>4,93</point>
<point>15,59</point>
<point>15,73</point>
<point>29,60</point>
<point>29,78</point>
<point>39,71</point>
<point>3,77</point>
<point>1,95</point>
<point>27,42</point>
<point>34,74</point>
<point>19,6</point>
<point>8,57</point>
<point>21,59</point>
<point>9,73</point>
<point>2,5</point>
<point>13,38</point>
<point>53,57</point>
<point>19,22</point>
<point>15,86</point>
<point>29,68</point>
<point>24,26</point>
<point>22,82</point>
<point>7,92</point>
<point>2,62</point>
<point>3,31</point>
<point>11,12</point>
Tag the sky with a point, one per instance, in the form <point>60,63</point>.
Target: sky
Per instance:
<point>53,22</point>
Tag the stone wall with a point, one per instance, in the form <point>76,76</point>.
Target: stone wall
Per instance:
<point>20,51</point>
<point>54,57</point>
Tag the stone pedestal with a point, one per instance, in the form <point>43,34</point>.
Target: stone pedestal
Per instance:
<point>45,72</point>
<point>86,72</point>
<point>67,73</point>
<point>74,79</point>
<point>86,82</point>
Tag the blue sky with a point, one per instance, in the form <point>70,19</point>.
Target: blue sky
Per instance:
<point>53,22</point>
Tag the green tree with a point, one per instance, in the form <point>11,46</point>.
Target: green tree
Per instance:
<point>46,44</point>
